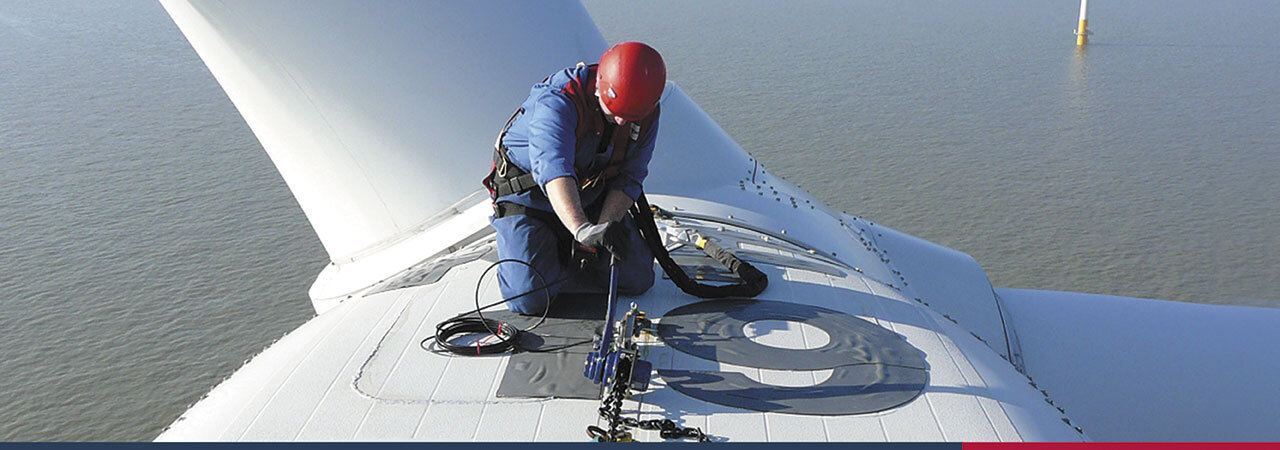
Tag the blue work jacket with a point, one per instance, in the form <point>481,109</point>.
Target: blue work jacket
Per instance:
<point>544,141</point>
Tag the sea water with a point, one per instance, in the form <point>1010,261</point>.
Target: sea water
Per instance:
<point>148,246</point>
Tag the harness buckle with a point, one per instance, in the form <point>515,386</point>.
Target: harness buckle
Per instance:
<point>501,170</point>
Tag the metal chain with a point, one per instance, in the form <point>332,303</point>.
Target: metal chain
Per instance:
<point>667,429</point>
<point>611,411</point>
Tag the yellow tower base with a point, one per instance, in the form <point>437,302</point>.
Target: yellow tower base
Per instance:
<point>1081,33</point>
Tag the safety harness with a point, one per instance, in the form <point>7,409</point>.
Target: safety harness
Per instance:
<point>616,364</point>
<point>506,178</point>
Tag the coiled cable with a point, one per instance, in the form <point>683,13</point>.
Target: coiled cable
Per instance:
<point>507,335</point>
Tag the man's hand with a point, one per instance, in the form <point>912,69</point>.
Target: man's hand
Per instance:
<point>609,236</point>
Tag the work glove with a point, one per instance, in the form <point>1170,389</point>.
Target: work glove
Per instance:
<point>609,236</point>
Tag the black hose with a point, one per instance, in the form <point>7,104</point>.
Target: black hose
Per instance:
<point>753,280</point>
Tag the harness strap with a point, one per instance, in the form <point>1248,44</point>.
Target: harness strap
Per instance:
<point>505,178</point>
<point>501,180</point>
<point>504,209</point>
<point>621,142</point>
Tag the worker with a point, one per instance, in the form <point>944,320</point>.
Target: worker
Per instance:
<point>567,166</point>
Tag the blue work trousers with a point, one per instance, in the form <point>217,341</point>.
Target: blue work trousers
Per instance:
<point>530,239</point>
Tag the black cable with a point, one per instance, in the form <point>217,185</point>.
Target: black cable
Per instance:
<point>545,289</point>
<point>507,334</point>
<point>465,325</point>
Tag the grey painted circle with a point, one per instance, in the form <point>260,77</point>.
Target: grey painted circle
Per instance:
<point>856,389</point>
<point>714,330</point>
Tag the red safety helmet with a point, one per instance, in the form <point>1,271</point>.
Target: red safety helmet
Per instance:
<point>630,79</point>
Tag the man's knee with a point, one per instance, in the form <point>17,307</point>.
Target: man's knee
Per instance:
<point>524,291</point>
<point>636,279</point>
<point>528,288</point>
<point>531,308</point>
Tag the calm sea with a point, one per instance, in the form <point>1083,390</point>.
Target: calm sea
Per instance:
<point>148,247</point>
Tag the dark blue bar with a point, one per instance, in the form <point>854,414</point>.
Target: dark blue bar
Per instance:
<point>451,445</point>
